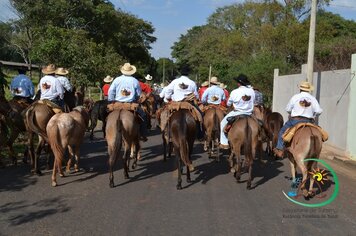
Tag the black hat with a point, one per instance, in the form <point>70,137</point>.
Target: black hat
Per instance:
<point>184,70</point>
<point>242,79</point>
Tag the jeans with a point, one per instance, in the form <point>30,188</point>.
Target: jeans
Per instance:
<point>288,124</point>
<point>59,102</point>
<point>143,125</point>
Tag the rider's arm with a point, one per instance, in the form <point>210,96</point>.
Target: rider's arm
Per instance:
<point>112,91</point>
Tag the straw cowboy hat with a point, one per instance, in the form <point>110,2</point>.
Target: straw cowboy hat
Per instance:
<point>61,71</point>
<point>128,69</point>
<point>49,69</point>
<point>204,84</point>
<point>214,80</point>
<point>108,79</point>
<point>223,86</point>
<point>306,86</point>
<point>148,77</point>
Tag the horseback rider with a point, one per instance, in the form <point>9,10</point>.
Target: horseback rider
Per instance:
<point>182,88</point>
<point>50,87</point>
<point>302,107</point>
<point>203,87</point>
<point>61,76</point>
<point>126,88</point>
<point>242,99</point>
<point>22,87</point>
<point>258,97</point>
<point>227,94</point>
<point>214,94</point>
<point>107,80</point>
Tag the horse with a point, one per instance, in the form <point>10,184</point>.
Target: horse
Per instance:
<point>66,130</point>
<point>100,112</point>
<point>306,143</point>
<point>122,128</point>
<point>12,112</point>
<point>162,115</point>
<point>273,123</point>
<point>148,104</point>
<point>182,128</point>
<point>212,119</point>
<point>244,132</point>
<point>4,135</point>
<point>36,120</point>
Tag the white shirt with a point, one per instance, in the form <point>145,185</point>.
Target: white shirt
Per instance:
<point>162,93</point>
<point>303,104</point>
<point>242,99</point>
<point>65,83</point>
<point>51,88</point>
<point>179,88</point>
<point>213,95</point>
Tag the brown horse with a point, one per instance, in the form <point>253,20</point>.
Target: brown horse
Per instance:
<point>212,119</point>
<point>12,112</point>
<point>306,143</point>
<point>148,105</point>
<point>66,130</point>
<point>4,135</point>
<point>36,119</point>
<point>182,128</point>
<point>122,128</point>
<point>243,133</point>
<point>273,123</point>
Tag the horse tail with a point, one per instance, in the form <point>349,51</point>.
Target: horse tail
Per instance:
<point>32,124</point>
<point>216,126</point>
<point>183,142</point>
<point>248,141</point>
<point>55,139</point>
<point>116,147</point>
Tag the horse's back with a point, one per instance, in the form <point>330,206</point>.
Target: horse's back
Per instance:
<point>307,140</point>
<point>183,124</point>
<point>238,129</point>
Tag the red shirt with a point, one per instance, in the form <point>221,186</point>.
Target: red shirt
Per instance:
<point>224,103</point>
<point>201,91</point>
<point>106,89</point>
<point>146,88</point>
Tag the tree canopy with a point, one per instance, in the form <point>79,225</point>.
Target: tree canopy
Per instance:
<point>89,37</point>
<point>257,36</point>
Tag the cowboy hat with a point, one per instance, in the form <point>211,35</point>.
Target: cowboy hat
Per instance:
<point>204,84</point>
<point>61,71</point>
<point>223,86</point>
<point>214,80</point>
<point>49,69</point>
<point>108,79</point>
<point>305,86</point>
<point>148,77</point>
<point>242,79</point>
<point>128,69</point>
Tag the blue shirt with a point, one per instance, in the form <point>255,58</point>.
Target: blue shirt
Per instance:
<point>213,95</point>
<point>22,86</point>
<point>124,88</point>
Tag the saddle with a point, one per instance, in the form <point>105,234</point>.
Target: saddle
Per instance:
<point>55,108</point>
<point>133,107</point>
<point>289,133</point>
<point>166,112</point>
<point>207,107</point>
<point>231,120</point>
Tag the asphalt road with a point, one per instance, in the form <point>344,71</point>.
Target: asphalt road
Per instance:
<point>149,204</point>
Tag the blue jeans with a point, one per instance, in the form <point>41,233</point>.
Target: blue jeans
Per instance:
<point>290,123</point>
<point>143,125</point>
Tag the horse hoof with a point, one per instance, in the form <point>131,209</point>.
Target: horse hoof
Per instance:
<point>54,184</point>
<point>111,184</point>
<point>39,173</point>
<point>61,175</point>
<point>76,170</point>
<point>191,167</point>
<point>133,166</point>
<point>248,187</point>
<point>179,187</point>
<point>189,180</point>
<point>232,170</point>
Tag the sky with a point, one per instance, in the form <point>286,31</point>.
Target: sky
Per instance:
<point>171,18</point>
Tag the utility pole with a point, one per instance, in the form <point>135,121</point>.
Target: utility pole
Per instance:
<point>209,74</point>
<point>310,68</point>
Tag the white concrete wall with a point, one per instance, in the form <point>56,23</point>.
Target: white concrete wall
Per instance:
<point>332,91</point>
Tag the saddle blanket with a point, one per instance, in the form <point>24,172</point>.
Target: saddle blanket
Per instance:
<point>288,135</point>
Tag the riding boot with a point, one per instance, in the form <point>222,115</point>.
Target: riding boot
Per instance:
<point>143,131</point>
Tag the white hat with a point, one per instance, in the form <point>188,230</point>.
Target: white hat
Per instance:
<point>204,84</point>
<point>306,86</point>
<point>148,77</point>
<point>223,86</point>
<point>49,69</point>
<point>61,71</point>
<point>214,80</point>
<point>128,69</point>
<point>108,79</point>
